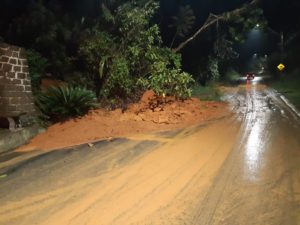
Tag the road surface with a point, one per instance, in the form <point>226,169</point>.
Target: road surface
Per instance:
<point>239,170</point>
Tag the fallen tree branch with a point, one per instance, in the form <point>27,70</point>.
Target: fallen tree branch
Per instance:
<point>212,19</point>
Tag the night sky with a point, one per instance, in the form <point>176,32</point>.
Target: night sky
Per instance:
<point>281,15</point>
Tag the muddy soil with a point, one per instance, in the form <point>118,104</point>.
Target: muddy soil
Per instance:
<point>152,113</point>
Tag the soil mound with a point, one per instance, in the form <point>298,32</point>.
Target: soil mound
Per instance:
<point>151,113</point>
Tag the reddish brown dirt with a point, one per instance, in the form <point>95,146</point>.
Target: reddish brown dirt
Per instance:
<point>150,114</point>
<point>46,83</point>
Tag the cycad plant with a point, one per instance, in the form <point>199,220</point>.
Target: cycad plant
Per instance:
<point>60,103</point>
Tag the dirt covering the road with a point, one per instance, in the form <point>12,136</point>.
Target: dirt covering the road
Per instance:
<point>152,113</point>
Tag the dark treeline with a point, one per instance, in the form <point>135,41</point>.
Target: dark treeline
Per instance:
<point>56,30</point>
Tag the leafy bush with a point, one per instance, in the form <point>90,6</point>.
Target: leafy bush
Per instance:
<point>119,83</point>
<point>128,57</point>
<point>170,81</point>
<point>80,79</point>
<point>206,93</point>
<point>59,103</point>
<point>231,75</point>
<point>37,67</point>
<point>213,68</point>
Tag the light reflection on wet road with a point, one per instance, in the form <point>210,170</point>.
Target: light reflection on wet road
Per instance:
<point>259,183</point>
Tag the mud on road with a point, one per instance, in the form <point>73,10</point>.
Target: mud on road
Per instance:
<point>241,169</point>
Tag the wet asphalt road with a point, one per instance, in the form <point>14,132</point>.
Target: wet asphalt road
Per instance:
<point>259,183</point>
<point>239,170</point>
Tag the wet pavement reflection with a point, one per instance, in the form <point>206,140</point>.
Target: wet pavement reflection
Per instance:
<point>260,181</point>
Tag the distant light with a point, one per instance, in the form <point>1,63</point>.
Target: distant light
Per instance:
<point>266,56</point>
<point>281,67</point>
<point>254,55</point>
<point>258,25</point>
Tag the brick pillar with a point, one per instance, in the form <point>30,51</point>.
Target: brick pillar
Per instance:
<point>15,86</point>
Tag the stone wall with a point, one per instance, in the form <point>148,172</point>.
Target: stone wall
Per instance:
<point>15,86</point>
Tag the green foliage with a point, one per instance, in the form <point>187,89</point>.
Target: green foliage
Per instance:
<point>183,22</point>
<point>289,86</point>
<point>119,82</point>
<point>240,24</point>
<point>46,28</point>
<point>170,82</point>
<point>206,93</point>
<point>80,79</point>
<point>223,49</point>
<point>96,50</point>
<point>106,13</point>
<point>37,68</point>
<point>213,68</point>
<point>128,58</point>
<point>60,103</point>
<point>117,53</point>
<point>231,75</point>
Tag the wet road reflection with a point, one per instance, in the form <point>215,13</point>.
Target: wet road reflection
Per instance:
<point>254,149</point>
<point>256,128</point>
<point>259,182</point>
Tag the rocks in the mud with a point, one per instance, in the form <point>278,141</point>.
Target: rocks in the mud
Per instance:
<point>160,110</point>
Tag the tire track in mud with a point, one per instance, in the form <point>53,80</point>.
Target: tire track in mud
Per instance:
<point>148,186</point>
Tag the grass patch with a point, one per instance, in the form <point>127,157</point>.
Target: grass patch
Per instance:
<point>206,93</point>
<point>231,77</point>
<point>290,89</point>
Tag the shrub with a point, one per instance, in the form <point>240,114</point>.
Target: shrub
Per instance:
<point>60,103</point>
<point>231,75</point>
<point>119,83</point>
<point>207,93</point>
<point>170,81</point>
<point>129,57</point>
<point>213,68</point>
<point>37,66</point>
<point>80,79</point>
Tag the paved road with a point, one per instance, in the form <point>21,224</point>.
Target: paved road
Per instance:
<point>239,170</point>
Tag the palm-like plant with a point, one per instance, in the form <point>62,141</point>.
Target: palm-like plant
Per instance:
<point>60,103</point>
<point>183,22</point>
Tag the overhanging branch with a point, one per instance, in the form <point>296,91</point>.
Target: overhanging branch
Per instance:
<point>212,19</point>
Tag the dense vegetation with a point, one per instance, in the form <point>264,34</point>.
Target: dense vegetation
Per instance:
<point>118,51</point>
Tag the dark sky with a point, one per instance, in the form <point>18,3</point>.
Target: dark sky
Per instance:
<point>281,14</point>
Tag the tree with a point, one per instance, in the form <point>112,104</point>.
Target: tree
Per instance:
<point>125,52</point>
<point>44,27</point>
<point>227,17</point>
<point>183,22</point>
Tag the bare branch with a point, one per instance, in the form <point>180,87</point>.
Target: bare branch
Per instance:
<point>209,22</point>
